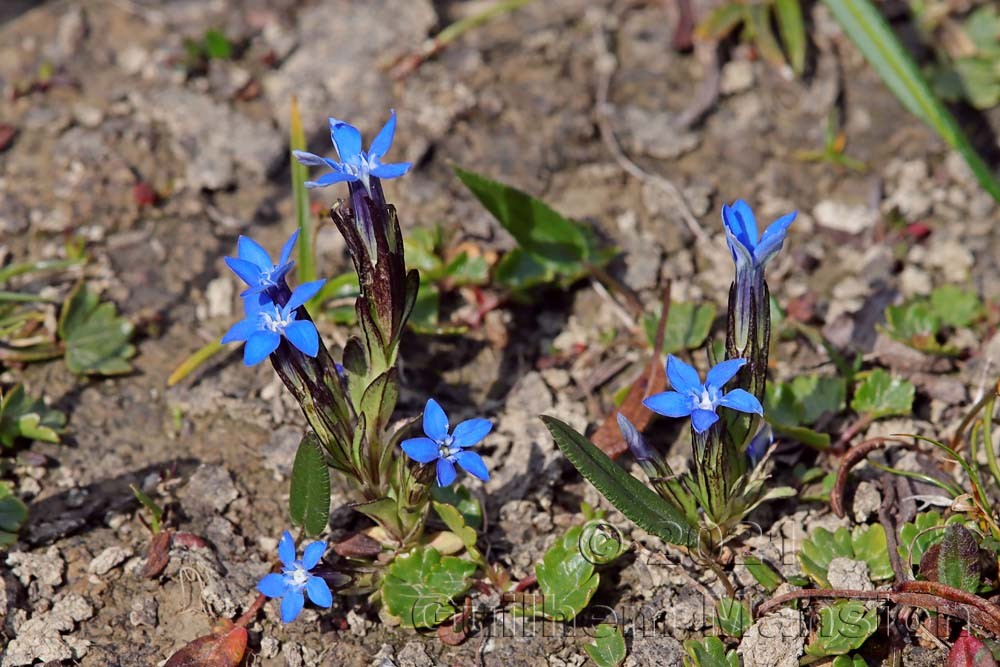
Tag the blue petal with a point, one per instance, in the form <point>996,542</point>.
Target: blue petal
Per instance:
<point>742,254</point>
<point>259,345</point>
<point>421,450</point>
<point>683,377</point>
<point>303,293</point>
<point>473,464</point>
<point>291,605</point>
<point>773,238</point>
<point>312,553</point>
<point>760,444</point>
<point>286,250</point>
<point>319,592</point>
<point>303,335</point>
<point>670,404</point>
<point>446,473</point>
<point>272,585</point>
<point>723,372</point>
<point>747,221</point>
<point>247,271</point>
<point>346,139</point>
<point>383,140</point>
<point>471,431</point>
<point>392,170</point>
<point>702,420</point>
<point>435,421</point>
<point>242,330</point>
<point>253,303</point>
<point>330,179</point>
<point>286,549</point>
<point>742,400</point>
<point>309,159</point>
<point>254,252</point>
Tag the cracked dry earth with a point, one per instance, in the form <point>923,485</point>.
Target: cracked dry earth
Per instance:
<point>515,99</point>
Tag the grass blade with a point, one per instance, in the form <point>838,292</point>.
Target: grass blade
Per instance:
<point>190,364</point>
<point>793,32</point>
<point>872,35</point>
<point>300,174</point>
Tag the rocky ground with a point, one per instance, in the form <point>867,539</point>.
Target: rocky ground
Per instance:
<point>519,99</point>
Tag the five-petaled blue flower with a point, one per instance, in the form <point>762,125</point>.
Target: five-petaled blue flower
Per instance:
<point>355,164</point>
<point>266,322</point>
<point>748,249</point>
<point>296,576</point>
<point>253,264</point>
<point>447,449</point>
<point>699,401</point>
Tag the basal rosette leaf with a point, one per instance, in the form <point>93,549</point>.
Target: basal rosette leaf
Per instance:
<point>421,588</point>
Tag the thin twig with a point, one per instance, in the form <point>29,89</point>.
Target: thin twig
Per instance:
<point>888,501</point>
<point>606,63</point>
<point>854,456</point>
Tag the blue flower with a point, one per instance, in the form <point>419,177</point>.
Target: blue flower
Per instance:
<point>447,449</point>
<point>741,234</point>
<point>253,265</point>
<point>355,164</point>
<point>700,401</point>
<point>266,322</point>
<point>296,576</point>
<point>751,253</point>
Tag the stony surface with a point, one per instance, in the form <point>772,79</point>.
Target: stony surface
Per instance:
<point>126,113</point>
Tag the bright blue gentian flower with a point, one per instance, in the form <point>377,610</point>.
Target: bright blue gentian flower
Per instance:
<point>690,397</point>
<point>266,322</point>
<point>253,265</point>
<point>296,576</point>
<point>447,449</point>
<point>751,253</point>
<point>355,164</point>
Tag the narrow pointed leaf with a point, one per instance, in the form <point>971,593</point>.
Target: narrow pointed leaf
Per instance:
<point>309,501</point>
<point>636,501</point>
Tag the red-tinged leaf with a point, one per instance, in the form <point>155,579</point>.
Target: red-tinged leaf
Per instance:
<point>652,381</point>
<point>220,649</point>
<point>7,134</point>
<point>454,632</point>
<point>158,555</point>
<point>358,545</point>
<point>189,541</point>
<point>918,230</point>
<point>969,652</point>
<point>143,194</point>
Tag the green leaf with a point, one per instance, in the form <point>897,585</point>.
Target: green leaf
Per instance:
<point>24,417</point>
<point>566,578</point>
<point>155,511</point>
<point>608,648</point>
<point>790,407</point>
<point>956,307</point>
<point>765,575</point>
<point>687,327</point>
<point>601,543</point>
<point>456,524</point>
<point>420,588</point>
<point>459,496</point>
<point>424,316</point>
<point>518,271</point>
<point>632,498</point>
<point>868,544</point>
<point>763,37</point>
<point>915,324</point>
<point>958,560</point>
<point>216,45</point>
<point>863,23</point>
<point>849,661</point>
<point>95,337</point>
<point>709,652</point>
<point>306,265</point>
<point>468,270</point>
<point>880,395</point>
<point>536,227</point>
<point>844,626</point>
<point>732,617</point>
<point>926,530</point>
<point>793,32</point>
<point>309,498</point>
<point>13,514</point>
<point>720,22</point>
